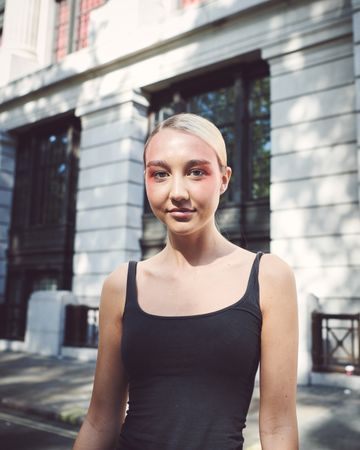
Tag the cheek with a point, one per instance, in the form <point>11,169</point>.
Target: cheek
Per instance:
<point>207,190</point>
<point>153,190</point>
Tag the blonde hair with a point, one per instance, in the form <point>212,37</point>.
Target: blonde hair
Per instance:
<point>198,126</point>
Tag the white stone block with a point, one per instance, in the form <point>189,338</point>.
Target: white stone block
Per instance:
<point>323,53</point>
<point>349,305</point>
<point>328,281</point>
<point>89,285</point>
<point>105,196</point>
<point>108,239</point>
<point>5,197</point>
<point>356,26</point>
<point>113,132</point>
<point>357,59</point>
<point>315,106</point>
<point>294,83</point>
<point>322,220</point>
<point>315,134</point>
<point>125,106</point>
<point>101,262</point>
<point>5,214</point>
<point>330,190</point>
<point>6,162</point>
<point>111,216</point>
<point>115,172</point>
<point>6,180</point>
<point>112,152</point>
<point>4,230</point>
<point>357,90</point>
<point>312,163</point>
<point>45,321</point>
<point>320,251</point>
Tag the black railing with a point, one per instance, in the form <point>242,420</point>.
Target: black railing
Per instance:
<point>336,342</point>
<point>81,326</point>
<point>12,321</point>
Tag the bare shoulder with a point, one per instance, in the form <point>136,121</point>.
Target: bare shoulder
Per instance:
<point>276,280</point>
<point>114,290</point>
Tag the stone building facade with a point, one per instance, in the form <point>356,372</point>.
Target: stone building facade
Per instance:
<point>86,85</point>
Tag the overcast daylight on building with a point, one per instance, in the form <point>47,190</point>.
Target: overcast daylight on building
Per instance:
<point>82,82</point>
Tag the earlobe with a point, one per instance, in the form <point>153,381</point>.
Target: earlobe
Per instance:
<point>225,180</point>
<point>223,188</point>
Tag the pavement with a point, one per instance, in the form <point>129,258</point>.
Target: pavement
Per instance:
<point>60,389</point>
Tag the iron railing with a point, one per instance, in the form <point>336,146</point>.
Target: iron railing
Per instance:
<point>81,326</point>
<point>336,342</point>
<point>12,321</point>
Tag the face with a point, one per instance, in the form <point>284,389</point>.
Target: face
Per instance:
<point>183,181</point>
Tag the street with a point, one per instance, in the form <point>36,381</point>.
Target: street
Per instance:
<point>18,432</point>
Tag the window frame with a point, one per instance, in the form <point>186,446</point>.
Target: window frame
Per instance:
<point>240,78</point>
<point>73,27</point>
<point>243,220</point>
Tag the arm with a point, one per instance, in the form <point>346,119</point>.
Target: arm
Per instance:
<point>108,402</point>
<point>279,353</point>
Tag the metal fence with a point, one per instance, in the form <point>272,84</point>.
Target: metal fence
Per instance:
<point>12,321</point>
<point>81,326</point>
<point>336,343</point>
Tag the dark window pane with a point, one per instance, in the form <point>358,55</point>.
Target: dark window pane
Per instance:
<point>62,32</point>
<point>217,106</point>
<point>229,137</point>
<point>259,138</point>
<point>259,98</point>
<point>49,192</point>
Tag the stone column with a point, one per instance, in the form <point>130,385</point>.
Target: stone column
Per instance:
<point>7,179</point>
<point>356,43</point>
<point>20,37</point>
<point>315,217</point>
<point>110,190</point>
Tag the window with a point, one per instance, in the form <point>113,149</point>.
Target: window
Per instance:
<point>44,169</point>
<point>41,235</point>
<point>237,100</point>
<point>73,25</point>
<point>240,107</point>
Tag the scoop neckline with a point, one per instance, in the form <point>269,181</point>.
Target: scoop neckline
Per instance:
<point>201,315</point>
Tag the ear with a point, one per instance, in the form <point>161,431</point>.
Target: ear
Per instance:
<point>225,178</point>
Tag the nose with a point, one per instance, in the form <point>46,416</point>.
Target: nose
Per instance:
<point>179,190</point>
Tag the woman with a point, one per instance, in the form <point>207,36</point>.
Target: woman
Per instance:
<point>182,333</point>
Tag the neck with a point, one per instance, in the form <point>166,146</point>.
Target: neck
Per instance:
<point>196,249</point>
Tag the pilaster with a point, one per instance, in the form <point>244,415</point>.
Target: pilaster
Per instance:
<point>110,190</point>
<point>356,44</point>
<point>20,39</point>
<point>315,218</point>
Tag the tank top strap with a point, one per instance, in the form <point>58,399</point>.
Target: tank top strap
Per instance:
<point>253,291</point>
<point>131,291</point>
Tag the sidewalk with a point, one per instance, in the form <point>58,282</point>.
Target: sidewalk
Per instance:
<point>329,418</point>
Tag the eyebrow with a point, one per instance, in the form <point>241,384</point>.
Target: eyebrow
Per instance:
<point>192,162</point>
<point>158,163</point>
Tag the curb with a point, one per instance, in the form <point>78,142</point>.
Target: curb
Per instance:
<point>73,417</point>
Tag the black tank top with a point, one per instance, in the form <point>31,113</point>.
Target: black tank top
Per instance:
<point>191,378</point>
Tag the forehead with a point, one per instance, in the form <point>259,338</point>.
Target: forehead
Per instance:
<point>173,144</point>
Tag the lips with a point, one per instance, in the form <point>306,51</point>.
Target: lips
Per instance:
<point>181,210</point>
<point>181,213</point>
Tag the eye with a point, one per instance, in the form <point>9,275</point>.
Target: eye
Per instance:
<point>197,172</point>
<point>160,174</point>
